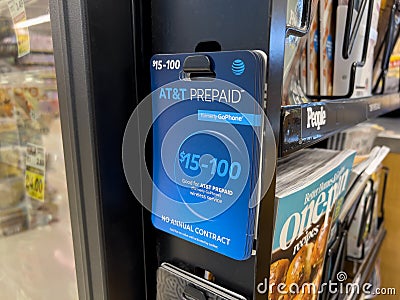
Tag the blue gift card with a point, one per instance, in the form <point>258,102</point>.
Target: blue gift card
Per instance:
<point>206,148</point>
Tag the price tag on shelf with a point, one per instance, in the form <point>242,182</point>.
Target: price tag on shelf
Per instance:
<point>17,8</point>
<point>18,15</point>
<point>35,172</point>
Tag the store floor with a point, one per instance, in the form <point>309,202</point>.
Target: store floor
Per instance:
<point>39,264</point>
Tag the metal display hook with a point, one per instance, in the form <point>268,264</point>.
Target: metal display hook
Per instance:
<point>305,21</point>
<point>388,45</point>
<point>348,43</point>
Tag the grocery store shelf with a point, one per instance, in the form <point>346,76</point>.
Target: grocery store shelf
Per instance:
<point>365,269</point>
<point>306,124</point>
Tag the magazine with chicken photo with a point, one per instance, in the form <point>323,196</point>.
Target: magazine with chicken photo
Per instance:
<point>309,184</point>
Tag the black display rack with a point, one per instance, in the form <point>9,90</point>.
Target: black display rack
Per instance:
<point>187,26</point>
<point>365,269</point>
<point>297,133</point>
<point>102,50</point>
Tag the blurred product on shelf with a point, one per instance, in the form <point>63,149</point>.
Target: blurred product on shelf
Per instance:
<point>41,43</point>
<point>349,47</point>
<point>28,107</point>
<point>359,138</point>
<point>294,49</point>
<point>13,220</point>
<point>359,232</point>
<point>364,226</point>
<point>360,181</point>
<point>321,64</point>
<point>6,106</point>
<point>40,48</point>
<point>327,44</point>
<point>366,221</point>
<point>374,280</point>
<point>313,48</point>
<point>34,59</point>
<point>11,191</point>
<point>310,183</point>
<point>303,70</point>
<point>392,82</point>
<point>364,75</point>
<point>294,14</point>
<point>383,24</point>
<point>386,69</point>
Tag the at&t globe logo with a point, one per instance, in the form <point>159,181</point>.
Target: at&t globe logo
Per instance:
<point>238,67</point>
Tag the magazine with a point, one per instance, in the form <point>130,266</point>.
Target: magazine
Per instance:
<point>309,184</point>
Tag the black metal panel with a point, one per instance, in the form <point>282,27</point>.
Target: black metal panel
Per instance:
<point>380,105</point>
<point>178,26</point>
<point>112,52</point>
<point>72,68</point>
<point>95,50</point>
<point>298,132</point>
<point>276,52</point>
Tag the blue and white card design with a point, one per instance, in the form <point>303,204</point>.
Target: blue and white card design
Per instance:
<point>206,149</point>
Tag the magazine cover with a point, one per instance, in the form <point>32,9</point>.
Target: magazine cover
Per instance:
<point>364,78</point>
<point>303,70</point>
<point>303,223</point>
<point>313,57</point>
<point>392,84</point>
<point>327,46</point>
<point>384,19</point>
<point>295,48</point>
